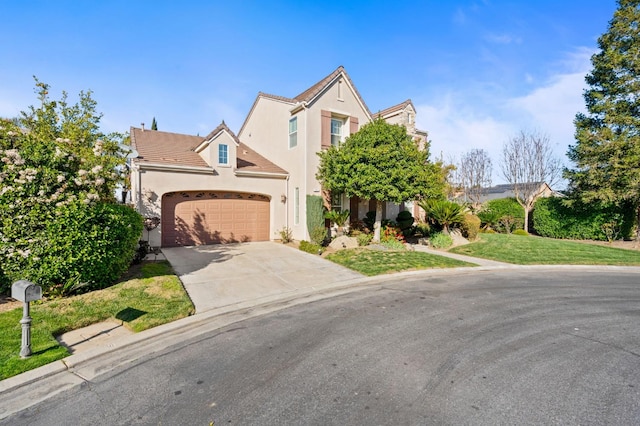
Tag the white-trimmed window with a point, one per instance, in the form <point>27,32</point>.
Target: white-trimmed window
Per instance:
<point>293,132</point>
<point>336,131</point>
<point>223,154</point>
<point>336,201</point>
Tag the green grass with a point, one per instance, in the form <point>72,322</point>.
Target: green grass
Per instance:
<point>374,262</point>
<point>530,250</point>
<point>154,296</point>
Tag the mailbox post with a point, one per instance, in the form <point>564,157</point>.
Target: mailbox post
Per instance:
<point>26,291</point>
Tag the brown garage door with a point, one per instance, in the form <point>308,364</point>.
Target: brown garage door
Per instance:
<point>196,218</point>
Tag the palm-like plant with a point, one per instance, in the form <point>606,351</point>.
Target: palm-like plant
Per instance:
<point>442,212</point>
<point>337,217</point>
<point>490,218</point>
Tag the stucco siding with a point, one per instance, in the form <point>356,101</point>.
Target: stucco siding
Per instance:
<point>156,183</point>
<point>344,107</point>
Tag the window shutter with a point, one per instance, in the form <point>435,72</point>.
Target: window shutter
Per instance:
<point>353,207</point>
<point>353,125</point>
<point>325,129</point>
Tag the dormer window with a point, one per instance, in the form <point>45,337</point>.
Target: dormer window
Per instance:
<point>223,154</point>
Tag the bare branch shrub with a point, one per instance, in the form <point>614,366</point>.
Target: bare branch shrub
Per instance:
<point>528,164</point>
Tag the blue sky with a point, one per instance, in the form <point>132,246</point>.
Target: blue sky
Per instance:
<point>477,71</point>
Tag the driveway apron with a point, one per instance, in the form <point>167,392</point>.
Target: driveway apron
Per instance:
<point>223,274</point>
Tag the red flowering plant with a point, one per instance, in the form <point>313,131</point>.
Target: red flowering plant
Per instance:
<point>391,233</point>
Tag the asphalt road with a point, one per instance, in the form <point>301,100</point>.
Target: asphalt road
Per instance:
<point>503,347</point>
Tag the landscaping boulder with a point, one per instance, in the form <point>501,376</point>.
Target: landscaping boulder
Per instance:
<point>458,239</point>
<point>344,242</point>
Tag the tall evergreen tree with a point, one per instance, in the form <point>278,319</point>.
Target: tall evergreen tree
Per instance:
<point>607,149</point>
<point>154,124</point>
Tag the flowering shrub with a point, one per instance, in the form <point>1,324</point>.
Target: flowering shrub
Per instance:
<point>85,247</point>
<point>391,233</point>
<point>53,158</point>
<point>391,237</point>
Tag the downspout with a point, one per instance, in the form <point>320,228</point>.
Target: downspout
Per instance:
<point>139,190</point>
<point>287,203</point>
<point>304,193</point>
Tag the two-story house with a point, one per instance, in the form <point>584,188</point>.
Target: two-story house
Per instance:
<point>225,188</point>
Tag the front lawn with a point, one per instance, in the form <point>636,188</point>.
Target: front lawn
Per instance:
<point>531,250</point>
<point>375,262</point>
<point>155,296</point>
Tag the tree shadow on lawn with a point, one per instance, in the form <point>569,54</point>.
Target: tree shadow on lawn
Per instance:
<point>129,314</point>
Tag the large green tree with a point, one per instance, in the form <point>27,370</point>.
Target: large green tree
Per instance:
<point>607,149</point>
<point>381,162</point>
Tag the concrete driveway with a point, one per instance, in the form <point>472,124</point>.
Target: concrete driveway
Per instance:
<point>225,274</point>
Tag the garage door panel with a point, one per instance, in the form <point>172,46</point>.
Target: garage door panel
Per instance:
<point>214,217</point>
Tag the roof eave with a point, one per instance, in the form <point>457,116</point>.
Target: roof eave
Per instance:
<point>174,168</point>
<point>267,175</point>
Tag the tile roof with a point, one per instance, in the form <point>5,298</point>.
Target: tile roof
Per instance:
<point>393,109</point>
<point>158,147</point>
<point>308,94</point>
<point>222,126</point>
<point>312,91</point>
<point>177,149</point>
<point>508,187</point>
<point>276,97</point>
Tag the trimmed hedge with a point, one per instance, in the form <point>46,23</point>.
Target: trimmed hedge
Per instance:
<point>315,212</point>
<point>553,219</point>
<point>494,210</point>
<point>405,221</point>
<point>86,247</point>
<point>470,226</point>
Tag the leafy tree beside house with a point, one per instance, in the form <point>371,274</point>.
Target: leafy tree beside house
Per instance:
<point>59,224</point>
<point>607,149</point>
<point>380,162</point>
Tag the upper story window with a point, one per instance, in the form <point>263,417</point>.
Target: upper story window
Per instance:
<point>223,154</point>
<point>293,132</point>
<point>336,131</point>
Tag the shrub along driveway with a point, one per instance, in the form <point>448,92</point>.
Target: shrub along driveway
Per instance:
<point>225,274</point>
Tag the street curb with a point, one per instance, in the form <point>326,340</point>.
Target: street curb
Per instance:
<point>31,376</point>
